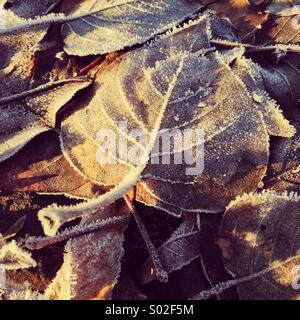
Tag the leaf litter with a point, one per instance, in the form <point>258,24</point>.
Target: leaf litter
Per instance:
<point>233,75</point>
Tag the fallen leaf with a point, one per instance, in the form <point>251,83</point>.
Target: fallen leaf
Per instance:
<point>29,113</point>
<point>102,27</point>
<point>236,127</point>
<point>18,49</point>
<point>92,264</point>
<point>18,292</point>
<point>178,251</point>
<point>284,167</point>
<point>106,26</point>
<point>17,59</point>
<point>281,82</point>
<point>263,232</point>
<point>181,67</point>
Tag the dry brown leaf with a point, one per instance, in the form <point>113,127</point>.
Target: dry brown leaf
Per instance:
<point>179,80</point>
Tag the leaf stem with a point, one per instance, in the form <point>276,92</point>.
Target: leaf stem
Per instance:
<point>223,286</point>
<point>40,88</point>
<point>161,274</point>
<point>251,48</point>
<point>36,243</point>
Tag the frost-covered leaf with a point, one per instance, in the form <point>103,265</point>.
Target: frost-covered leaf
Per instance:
<point>253,77</point>
<point>281,30</point>
<point>27,114</point>
<point>106,26</point>
<point>270,30</point>
<point>281,33</point>
<point>19,291</point>
<point>281,69</point>
<point>282,82</point>
<point>162,86</point>
<point>284,167</point>
<point>178,251</point>
<point>17,51</point>
<point>99,27</point>
<point>263,230</point>
<point>275,7</point>
<point>12,257</point>
<point>92,264</point>
<point>195,76</point>
<point>18,48</point>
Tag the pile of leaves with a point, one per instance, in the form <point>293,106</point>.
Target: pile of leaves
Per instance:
<point>72,228</point>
